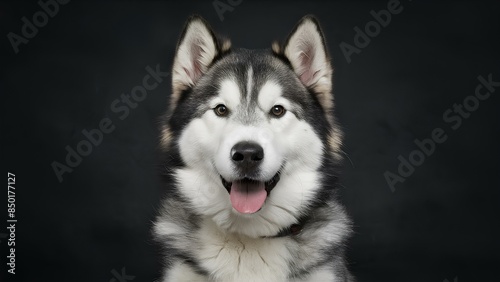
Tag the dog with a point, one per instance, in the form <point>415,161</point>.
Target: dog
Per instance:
<point>251,159</point>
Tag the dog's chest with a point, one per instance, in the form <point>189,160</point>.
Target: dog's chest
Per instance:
<point>238,258</point>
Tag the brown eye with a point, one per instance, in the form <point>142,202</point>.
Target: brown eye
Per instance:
<point>278,111</point>
<point>220,110</point>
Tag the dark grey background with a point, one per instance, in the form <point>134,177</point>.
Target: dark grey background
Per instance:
<point>441,223</point>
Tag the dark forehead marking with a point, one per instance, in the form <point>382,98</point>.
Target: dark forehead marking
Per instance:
<point>265,66</point>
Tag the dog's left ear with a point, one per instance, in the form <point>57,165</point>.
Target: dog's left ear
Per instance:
<point>305,48</point>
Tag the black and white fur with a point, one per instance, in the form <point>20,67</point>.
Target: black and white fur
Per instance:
<point>299,233</point>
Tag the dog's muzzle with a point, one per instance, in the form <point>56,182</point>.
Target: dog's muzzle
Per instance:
<point>247,190</point>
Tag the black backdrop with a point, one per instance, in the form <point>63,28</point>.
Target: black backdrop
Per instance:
<point>440,224</point>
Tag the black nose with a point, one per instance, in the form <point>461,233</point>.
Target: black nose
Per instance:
<point>247,155</point>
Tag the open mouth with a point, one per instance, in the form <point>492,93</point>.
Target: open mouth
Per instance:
<point>248,195</point>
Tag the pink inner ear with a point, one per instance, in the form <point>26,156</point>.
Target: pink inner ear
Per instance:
<point>196,68</point>
<point>306,58</point>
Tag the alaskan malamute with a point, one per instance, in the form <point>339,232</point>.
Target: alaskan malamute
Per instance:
<point>252,155</point>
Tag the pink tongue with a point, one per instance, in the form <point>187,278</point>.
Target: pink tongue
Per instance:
<point>247,197</point>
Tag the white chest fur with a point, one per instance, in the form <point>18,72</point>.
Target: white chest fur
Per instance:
<point>231,257</point>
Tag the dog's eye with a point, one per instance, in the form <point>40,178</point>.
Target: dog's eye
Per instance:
<point>221,110</point>
<point>278,111</point>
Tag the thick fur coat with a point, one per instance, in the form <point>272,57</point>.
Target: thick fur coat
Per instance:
<point>251,162</point>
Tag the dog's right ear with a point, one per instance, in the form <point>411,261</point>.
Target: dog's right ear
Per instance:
<point>196,51</point>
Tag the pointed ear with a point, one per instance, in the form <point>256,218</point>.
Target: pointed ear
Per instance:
<point>198,47</point>
<point>306,50</point>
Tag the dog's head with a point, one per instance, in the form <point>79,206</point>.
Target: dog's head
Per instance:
<point>253,129</point>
